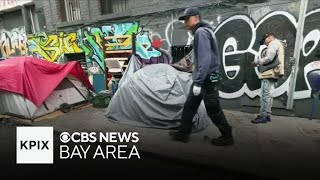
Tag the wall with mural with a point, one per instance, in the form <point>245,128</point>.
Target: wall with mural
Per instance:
<point>238,35</point>
<point>13,42</point>
<point>52,46</point>
<point>90,39</point>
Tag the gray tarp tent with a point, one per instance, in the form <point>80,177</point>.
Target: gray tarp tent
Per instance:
<point>153,96</point>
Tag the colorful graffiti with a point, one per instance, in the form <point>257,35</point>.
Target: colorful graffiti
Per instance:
<point>52,46</point>
<point>119,38</point>
<point>149,48</point>
<point>120,30</point>
<point>13,42</point>
<point>90,40</point>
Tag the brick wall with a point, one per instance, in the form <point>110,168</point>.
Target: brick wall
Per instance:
<point>91,10</point>
<point>95,8</point>
<point>85,13</point>
<point>47,14</point>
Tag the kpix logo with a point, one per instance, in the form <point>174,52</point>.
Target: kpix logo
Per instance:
<point>34,145</point>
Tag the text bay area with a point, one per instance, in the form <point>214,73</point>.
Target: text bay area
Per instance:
<point>100,151</point>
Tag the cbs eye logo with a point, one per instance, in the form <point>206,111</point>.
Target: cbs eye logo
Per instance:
<point>65,137</point>
<point>78,137</point>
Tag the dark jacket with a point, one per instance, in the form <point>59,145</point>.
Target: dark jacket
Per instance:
<point>206,53</point>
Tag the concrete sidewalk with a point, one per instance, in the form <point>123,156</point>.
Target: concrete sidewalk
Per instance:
<point>286,148</point>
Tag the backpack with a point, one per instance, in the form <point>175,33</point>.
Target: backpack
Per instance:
<point>279,69</point>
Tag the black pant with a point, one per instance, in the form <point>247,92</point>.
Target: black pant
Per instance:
<point>210,95</point>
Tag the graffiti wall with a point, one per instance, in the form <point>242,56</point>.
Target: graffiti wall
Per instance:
<point>51,46</point>
<point>308,80</point>
<point>13,42</point>
<point>90,41</point>
<point>241,48</point>
<point>238,35</point>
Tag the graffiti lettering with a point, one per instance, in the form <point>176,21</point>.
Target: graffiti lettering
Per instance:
<point>239,47</point>
<point>309,54</point>
<point>52,47</point>
<point>13,43</point>
<point>90,40</point>
<point>150,51</point>
<point>245,48</point>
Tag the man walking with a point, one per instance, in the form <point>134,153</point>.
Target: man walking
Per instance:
<point>205,81</point>
<point>271,68</point>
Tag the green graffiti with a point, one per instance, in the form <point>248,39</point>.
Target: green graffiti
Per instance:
<point>91,43</point>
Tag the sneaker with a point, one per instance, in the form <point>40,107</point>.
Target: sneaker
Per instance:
<point>222,141</point>
<point>268,119</point>
<point>259,119</point>
<point>178,136</point>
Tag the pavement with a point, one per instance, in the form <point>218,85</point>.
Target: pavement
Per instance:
<point>285,148</point>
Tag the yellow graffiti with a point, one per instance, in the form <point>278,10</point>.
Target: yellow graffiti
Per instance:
<point>98,40</point>
<point>119,42</point>
<point>13,43</point>
<point>52,47</point>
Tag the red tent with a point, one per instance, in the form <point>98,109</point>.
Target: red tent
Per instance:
<point>36,79</point>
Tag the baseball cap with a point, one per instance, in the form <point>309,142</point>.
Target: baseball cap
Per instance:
<point>192,11</point>
<point>264,38</point>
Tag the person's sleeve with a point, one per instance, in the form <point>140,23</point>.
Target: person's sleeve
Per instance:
<point>204,57</point>
<point>271,53</point>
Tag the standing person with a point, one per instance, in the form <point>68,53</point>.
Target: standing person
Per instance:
<point>205,81</point>
<point>271,69</point>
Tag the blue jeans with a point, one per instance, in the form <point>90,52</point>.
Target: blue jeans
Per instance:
<point>266,100</point>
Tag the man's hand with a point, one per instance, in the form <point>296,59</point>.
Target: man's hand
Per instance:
<point>196,90</point>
